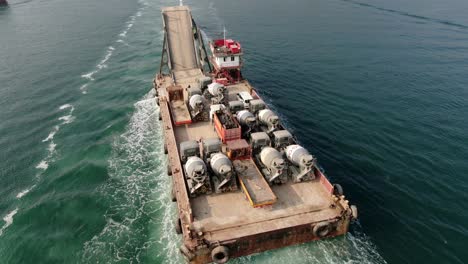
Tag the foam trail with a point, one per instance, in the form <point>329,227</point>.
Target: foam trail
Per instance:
<point>129,25</point>
<point>65,106</point>
<point>83,88</point>
<point>102,64</point>
<point>24,192</point>
<point>8,220</point>
<point>109,52</point>
<point>123,42</point>
<point>353,248</point>
<point>89,75</point>
<point>51,134</point>
<point>51,147</point>
<point>43,165</point>
<point>168,241</point>
<point>67,119</point>
<point>138,193</point>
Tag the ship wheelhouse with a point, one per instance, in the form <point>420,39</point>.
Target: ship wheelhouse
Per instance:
<point>227,60</point>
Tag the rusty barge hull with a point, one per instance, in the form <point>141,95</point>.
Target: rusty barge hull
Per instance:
<point>218,227</point>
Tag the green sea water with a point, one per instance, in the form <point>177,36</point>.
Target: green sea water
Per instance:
<point>376,89</point>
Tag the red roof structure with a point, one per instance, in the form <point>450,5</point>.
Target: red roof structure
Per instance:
<point>226,46</point>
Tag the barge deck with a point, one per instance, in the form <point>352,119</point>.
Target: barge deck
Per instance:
<point>257,216</point>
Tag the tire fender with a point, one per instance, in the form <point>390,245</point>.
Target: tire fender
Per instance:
<point>178,226</point>
<point>337,190</point>
<point>220,254</point>
<point>169,170</point>
<point>173,196</point>
<point>354,212</point>
<point>322,229</point>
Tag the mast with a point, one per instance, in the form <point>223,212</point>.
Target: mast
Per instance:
<point>224,35</point>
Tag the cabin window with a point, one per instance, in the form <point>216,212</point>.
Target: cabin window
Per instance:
<point>224,58</point>
<point>232,58</point>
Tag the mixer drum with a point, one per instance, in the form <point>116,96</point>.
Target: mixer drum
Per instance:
<point>245,118</point>
<point>267,117</point>
<point>195,168</point>
<point>268,155</point>
<point>221,165</point>
<point>215,89</point>
<point>299,156</point>
<point>196,102</point>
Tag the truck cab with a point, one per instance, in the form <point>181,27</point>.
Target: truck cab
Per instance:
<point>258,140</point>
<point>282,139</point>
<point>188,149</point>
<point>245,98</point>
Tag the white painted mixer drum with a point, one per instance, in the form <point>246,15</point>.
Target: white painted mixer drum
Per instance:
<point>296,153</point>
<point>221,164</point>
<point>269,154</point>
<point>195,100</point>
<point>267,116</point>
<point>215,89</point>
<point>245,117</point>
<point>195,165</point>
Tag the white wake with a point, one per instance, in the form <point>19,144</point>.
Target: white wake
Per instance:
<point>138,191</point>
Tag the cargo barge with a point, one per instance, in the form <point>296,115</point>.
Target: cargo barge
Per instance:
<point>241,181</point>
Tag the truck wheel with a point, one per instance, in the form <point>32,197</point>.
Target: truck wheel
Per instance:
<point>173,196</point>
<point>159,116</point>
<point>337,190</point>
<point>322,229</point>
<point>178,226</point>
<point>220,254</point>
<point>354,212</point>
<point>165,149</point>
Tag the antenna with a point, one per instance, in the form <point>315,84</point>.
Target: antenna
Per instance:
<point>181,2</point>
<point>224,35</point>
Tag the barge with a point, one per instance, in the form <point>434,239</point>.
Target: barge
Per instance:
<point>241,181</point>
